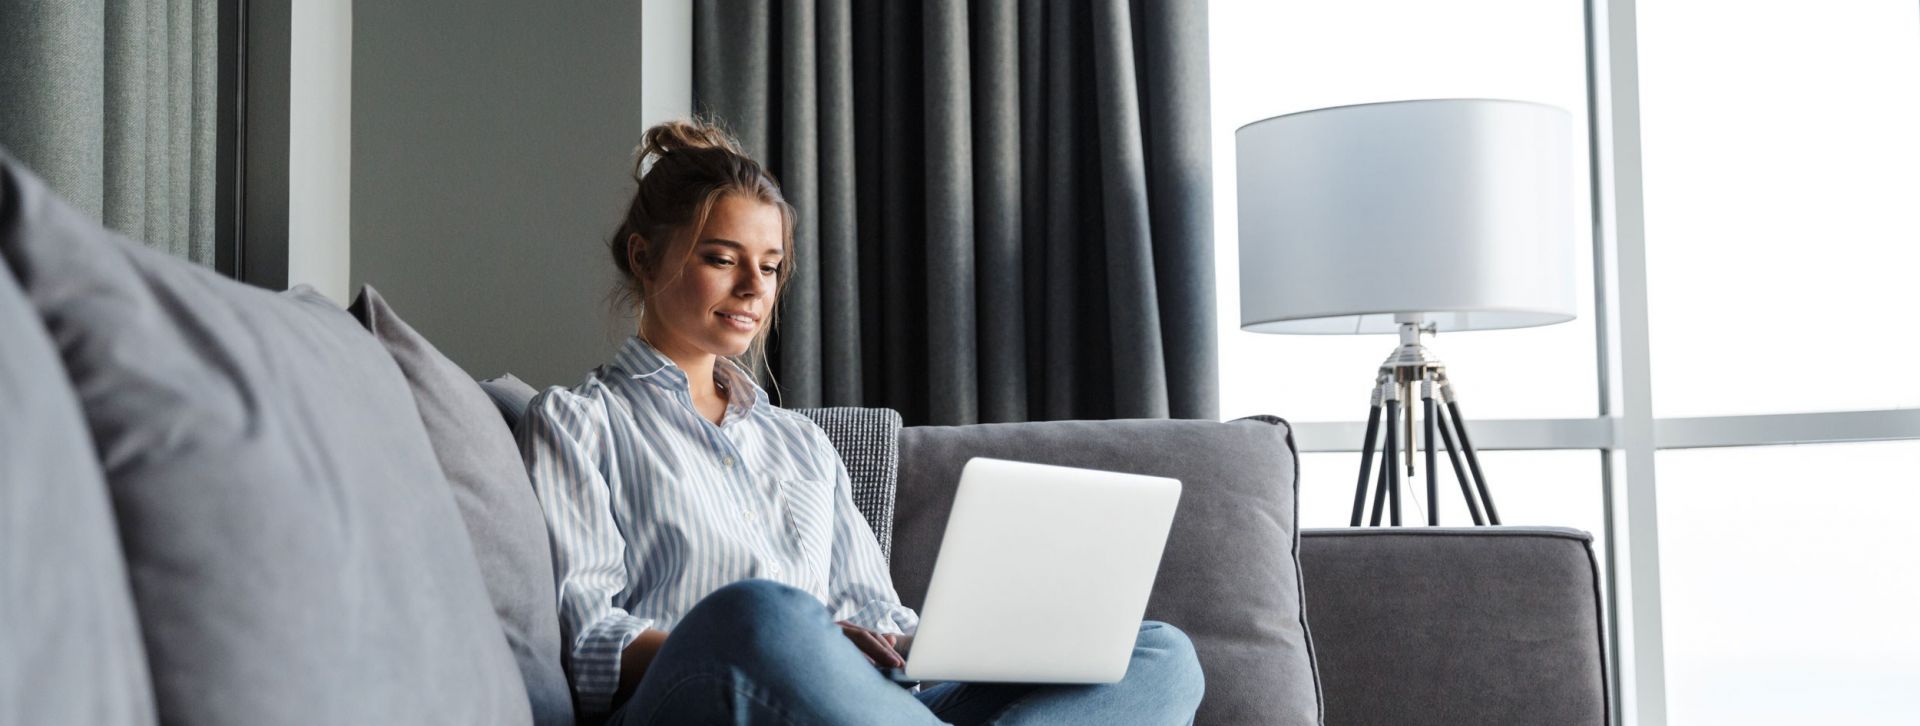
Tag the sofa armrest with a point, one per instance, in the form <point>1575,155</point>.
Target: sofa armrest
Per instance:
<point>1486,625</point>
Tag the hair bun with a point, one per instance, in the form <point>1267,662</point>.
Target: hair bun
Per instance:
<point>685,135</point>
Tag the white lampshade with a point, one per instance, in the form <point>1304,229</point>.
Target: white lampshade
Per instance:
<point>1460,210</point>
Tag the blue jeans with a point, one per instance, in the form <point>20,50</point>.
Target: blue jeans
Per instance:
<point>758,652</point>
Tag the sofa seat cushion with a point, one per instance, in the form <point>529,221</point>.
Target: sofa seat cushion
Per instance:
<point>70,649</point>
<point>1230,576</point>
<point>477,453</point>
<point>293,549</point>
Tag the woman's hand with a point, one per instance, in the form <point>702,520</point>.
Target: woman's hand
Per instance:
<point>876,647</point>
<point>634,661</point>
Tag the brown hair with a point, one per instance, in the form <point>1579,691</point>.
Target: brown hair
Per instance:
<point>693,164</point>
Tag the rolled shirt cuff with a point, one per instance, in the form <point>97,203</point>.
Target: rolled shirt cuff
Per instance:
<point>886,618</point>
<point>596,660</point>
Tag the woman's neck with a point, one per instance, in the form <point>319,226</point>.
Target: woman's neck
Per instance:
<point>697,364</point>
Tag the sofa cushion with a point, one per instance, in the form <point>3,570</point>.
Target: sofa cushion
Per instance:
<point>1230,576</point>
<point>868,441</point>
<point>293,549</point>
<point>477,453</point>
<point>1479,625</point>
<point>69,648</point>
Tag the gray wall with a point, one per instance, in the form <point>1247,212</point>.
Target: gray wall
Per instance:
<point>492,149</point>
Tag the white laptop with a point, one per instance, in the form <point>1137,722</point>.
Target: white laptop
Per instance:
<point>1042,576</point>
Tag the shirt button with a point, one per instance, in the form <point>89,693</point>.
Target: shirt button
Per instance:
<point>728,462</point>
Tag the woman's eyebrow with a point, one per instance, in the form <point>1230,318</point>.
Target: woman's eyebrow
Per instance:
<point>730,244</point>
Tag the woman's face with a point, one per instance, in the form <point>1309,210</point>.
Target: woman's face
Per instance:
<point>718,302</point>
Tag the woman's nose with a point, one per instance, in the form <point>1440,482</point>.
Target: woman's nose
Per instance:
<point>751,284</point>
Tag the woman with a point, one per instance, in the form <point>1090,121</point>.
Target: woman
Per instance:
<point>705,541</point>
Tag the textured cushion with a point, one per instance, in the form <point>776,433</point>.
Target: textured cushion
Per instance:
<point>294,551</point>
<point>1230,576</point>
<point>1483,625</point>
<point>868,440</point>
<point>482,463</point>
<point>510,395</point>
<point>70,652</point>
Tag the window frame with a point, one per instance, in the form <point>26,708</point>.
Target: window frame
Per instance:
<point>1625,434</point>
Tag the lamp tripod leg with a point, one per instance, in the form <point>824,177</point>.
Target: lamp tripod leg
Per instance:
<point>1389,465</point>
<point>1433,491</point>
<point>1366,460</point>
<point>1460,470</point>
<point>1379,484</point>
<point>1473,460</point>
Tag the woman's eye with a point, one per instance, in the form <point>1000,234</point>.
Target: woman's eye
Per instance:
<point>769,270</point>
<point>717,260</point>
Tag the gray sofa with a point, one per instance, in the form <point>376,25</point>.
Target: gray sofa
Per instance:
<point>1491,625</point>
<point>223,505</point>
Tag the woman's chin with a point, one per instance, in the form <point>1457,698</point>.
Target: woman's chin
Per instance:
<point>731,345</point>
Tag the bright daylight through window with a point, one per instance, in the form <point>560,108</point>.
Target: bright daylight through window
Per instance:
<point>1780,164</point>
<point>1782,169</point>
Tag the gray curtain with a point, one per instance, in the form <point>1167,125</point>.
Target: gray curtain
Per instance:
<point>1005,207</point>
<point>113,102</point>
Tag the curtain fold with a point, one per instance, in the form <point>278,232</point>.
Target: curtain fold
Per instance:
<point>1005,206</point>
<point>114,103</point>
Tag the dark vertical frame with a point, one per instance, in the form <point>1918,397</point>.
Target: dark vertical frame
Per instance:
<point>262,181</point>
<point>230,157</point>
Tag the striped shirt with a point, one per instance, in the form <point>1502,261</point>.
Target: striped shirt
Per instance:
<point>651,507</point>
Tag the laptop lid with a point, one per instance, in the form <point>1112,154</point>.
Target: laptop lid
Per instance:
<point>1043,574</point>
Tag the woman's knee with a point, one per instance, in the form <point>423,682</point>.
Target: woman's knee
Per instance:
<point>752,603</point>
<point>1172,657</point>
<point>1166,638</point>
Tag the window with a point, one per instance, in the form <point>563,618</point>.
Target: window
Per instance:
<point>1779,168</point>
<point>1789,579</point>
<point>1778,164</point>
<point>1782,168</point>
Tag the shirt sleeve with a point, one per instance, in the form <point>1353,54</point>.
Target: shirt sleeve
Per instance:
<point>859,584</point>
<point>565,442</point>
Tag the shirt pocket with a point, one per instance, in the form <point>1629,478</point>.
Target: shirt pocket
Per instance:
<point>806,505</point>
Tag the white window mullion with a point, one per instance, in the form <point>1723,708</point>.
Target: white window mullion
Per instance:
<point>1488,435</point>
<point>1787,429</point>
<point>1626,392</point>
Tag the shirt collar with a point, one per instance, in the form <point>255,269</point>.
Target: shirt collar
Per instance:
<point>639,359</point>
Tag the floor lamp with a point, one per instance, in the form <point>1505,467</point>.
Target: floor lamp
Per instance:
<point>1408,217</point>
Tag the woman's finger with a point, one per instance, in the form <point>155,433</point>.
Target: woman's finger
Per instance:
<point>882,650</point>
<point>871,645</point>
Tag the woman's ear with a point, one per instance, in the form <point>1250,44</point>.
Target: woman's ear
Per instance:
<point>636,251</point>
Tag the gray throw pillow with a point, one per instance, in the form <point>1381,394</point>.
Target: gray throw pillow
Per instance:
<point>294,551</point>
<point>70,650</point>
<point>1231,574</point>
<point>511,395</point>
<point>482,463</point>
